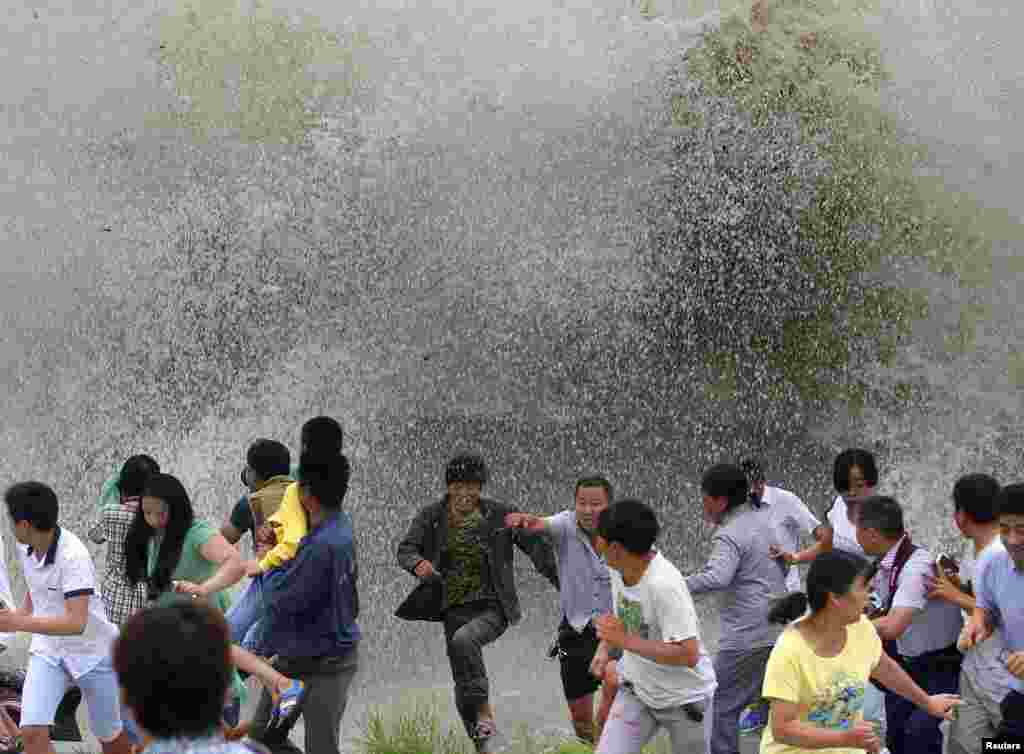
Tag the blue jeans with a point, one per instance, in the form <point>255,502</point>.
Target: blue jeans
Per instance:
<point>245,617</point>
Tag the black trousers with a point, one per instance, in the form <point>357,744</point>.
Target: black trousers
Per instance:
<point>467,630</point>
<point>1012,709</point>
<point>910,730</point>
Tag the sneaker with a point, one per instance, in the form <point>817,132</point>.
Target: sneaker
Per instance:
<point>286,705</point>
<point>753,718</point>
<point>484,735</point>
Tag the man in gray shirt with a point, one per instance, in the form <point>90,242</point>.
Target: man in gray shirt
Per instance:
<point>741,566</point>
<point>584,593</point>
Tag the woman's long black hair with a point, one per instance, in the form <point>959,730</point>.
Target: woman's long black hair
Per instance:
<point>172,492</point>
<point>831,573</point>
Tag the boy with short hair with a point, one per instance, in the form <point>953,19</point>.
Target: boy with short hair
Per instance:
<point>1000,584</point>
<point>664,665</point>
<point>64,611</point>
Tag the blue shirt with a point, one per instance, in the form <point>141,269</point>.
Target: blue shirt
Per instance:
<point>313,602</point>
<point>585,582</point>
<point>999,586</point>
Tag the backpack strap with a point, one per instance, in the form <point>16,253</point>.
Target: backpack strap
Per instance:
<point>906,549</point>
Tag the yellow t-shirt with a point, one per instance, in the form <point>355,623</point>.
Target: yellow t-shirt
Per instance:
<point>829,690</point>
<point>291,525</point>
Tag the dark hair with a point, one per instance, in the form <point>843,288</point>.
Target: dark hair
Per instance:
<point>1011,500</point>
<point>173,664</point>
<point>846,460</point>
<point>33,502</point>
<point>588,482</point>
<point>832,572</point>
<point>171,491</point>
<point>268,458</point>
<point>134,473</point>
<point>728,481</point>
<point>631,523</point>
<point>322,435</point>
<point>466,467</point>
<point>883,514</point>
<point>325,478</point>
<point>976,495</point>
<point>752,470</point>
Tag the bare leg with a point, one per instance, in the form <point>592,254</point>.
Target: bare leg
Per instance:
<point>609,687</point>
<point>581,711</point>
<point>487,710</point>
<point>37,739</point>
<point>759,16</point>
<point>271,679</point>
<point>120,745</point>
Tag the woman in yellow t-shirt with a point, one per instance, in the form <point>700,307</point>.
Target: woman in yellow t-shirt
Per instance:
<point>821,664</point>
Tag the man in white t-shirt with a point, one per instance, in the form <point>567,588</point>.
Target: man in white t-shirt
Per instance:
<point>792,519</point>
<point>72,638</point>
<point>664,665</point>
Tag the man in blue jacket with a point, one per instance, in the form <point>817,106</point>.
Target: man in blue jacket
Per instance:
<point>312,606</point>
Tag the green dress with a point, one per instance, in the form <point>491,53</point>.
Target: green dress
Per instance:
<point>193,566</point>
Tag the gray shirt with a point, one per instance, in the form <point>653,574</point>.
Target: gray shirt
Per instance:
<point>936,623</point>
<point>585,584</point>
<point>741,567</point>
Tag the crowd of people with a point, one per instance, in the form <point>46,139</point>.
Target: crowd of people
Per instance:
<point>885,647</point>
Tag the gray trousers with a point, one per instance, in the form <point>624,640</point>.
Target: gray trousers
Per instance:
<point>327,682</point>
<point>631,725</point>
<point>740,676</point>
<point>467,630</point>
<point>977,717</point>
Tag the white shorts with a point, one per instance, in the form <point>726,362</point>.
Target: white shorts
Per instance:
<point>46,684</point>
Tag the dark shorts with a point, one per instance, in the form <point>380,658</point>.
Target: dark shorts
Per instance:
<point>575,655</point>
<point>1012,710</point>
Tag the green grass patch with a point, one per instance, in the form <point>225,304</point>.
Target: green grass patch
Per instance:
<point>252,74</point>
<point>832,297</point>
<point>414,725</point>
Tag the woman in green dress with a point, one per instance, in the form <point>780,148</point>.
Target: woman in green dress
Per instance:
<point>180,557</point>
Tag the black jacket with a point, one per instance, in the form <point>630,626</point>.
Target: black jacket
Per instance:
<point>427,537</point>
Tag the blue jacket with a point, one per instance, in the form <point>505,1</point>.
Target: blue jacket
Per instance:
<point>312,602</point>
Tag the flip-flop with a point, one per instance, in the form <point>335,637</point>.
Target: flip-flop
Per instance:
<point>287,705</point>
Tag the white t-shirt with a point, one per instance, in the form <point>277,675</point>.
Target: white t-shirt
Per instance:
<point>982,662</point>
<point>792,519</point>
<point>5,593</point>
<point>67,571</point>
<point>659,607</point>
<point>844,535</point>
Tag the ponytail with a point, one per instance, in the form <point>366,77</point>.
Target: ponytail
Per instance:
<point>788,608</point>
<point>831,573</point>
